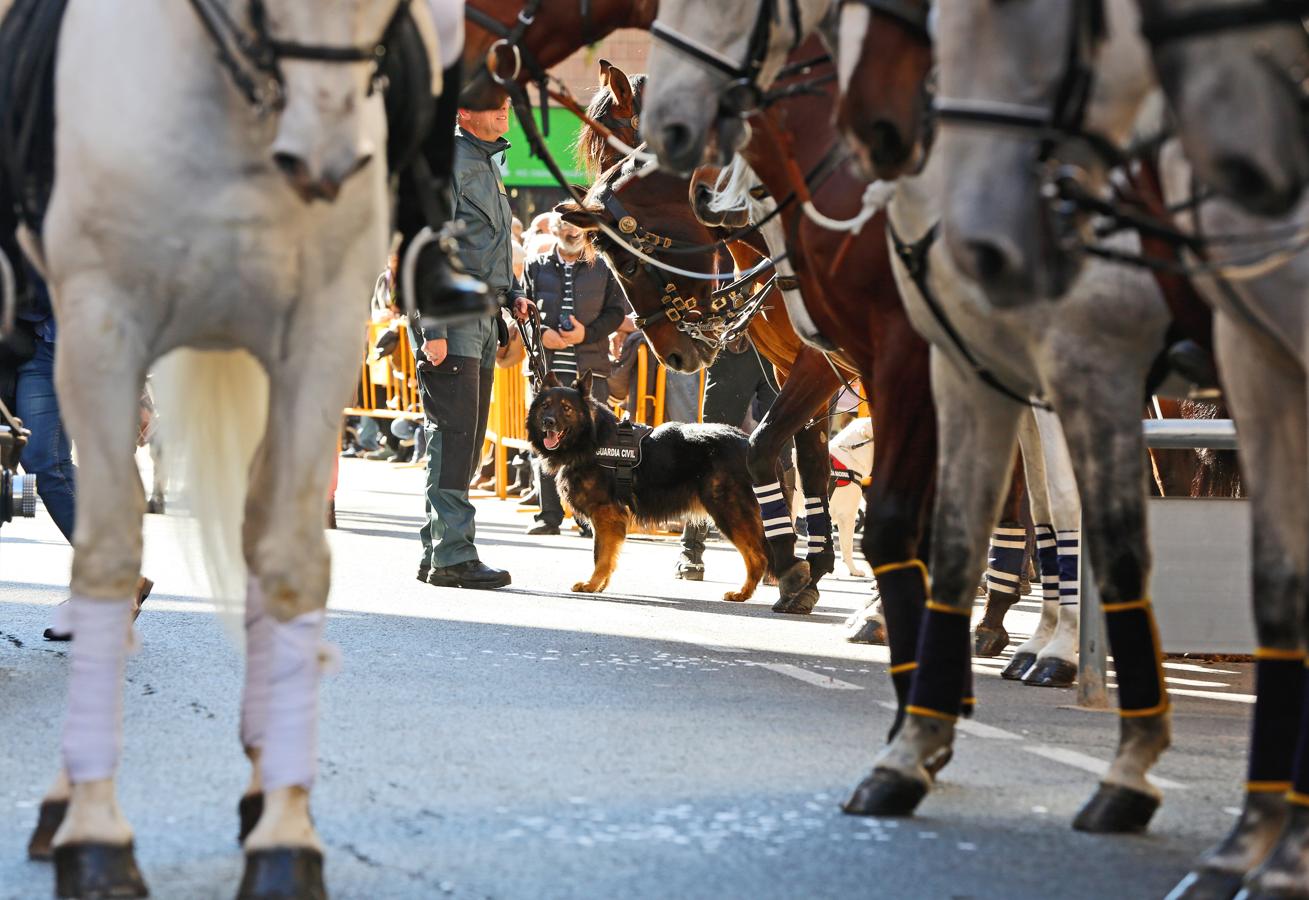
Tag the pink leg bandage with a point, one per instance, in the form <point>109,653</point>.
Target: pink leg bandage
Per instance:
<point>258,663</point>
<point>93,728</point>
<point>291,732</point>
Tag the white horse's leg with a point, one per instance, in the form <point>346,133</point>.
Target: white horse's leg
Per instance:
<point>1038,498</point>
<point>100,392</point>
<point>1268,399</point>
<point>1102,425</point>
<point>845,508</point>
<point>1056,662</point>
<point>978,430</point>
<point>287,552</point>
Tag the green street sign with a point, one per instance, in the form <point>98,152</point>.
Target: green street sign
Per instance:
<point>521,169</point>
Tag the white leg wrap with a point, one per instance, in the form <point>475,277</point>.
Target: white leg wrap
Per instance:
<point>93,728</point>
<point>258,667</point>
<point>291,734</point>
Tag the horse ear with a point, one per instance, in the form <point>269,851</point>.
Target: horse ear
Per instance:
<point>583,217</point>
<point>551,380</point>
<point>621,87</point>
<point>605,66</point>
<point>584,384</point>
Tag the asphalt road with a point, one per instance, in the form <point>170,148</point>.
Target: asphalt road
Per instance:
<point>651,742</point>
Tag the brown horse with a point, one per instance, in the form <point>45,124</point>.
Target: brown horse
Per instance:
<point>850,293</point>
<point>558,29</point>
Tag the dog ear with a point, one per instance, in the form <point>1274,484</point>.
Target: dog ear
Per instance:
<point>584,384</point>
<point>551,380</point>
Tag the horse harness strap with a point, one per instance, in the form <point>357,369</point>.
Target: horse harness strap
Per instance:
<point>622,453</point>
<point>915,258</point>
<point>253,58</point>
<point>1164,28</point>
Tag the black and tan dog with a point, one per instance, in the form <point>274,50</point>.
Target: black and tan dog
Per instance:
<point>684,470</point>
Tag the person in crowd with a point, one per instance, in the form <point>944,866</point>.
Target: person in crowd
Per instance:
<point>456,363</point>
<point>581,305</point>
<point>27,387</point>
<point>516,226</point>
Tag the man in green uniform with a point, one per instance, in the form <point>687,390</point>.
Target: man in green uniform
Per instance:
<point>457,362</point>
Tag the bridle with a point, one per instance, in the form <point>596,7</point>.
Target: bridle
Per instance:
<point>1064,119</point>
<point>253,58</point>
<point>1161,28</point>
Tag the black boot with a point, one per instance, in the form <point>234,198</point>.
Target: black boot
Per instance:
<point>690,562</point>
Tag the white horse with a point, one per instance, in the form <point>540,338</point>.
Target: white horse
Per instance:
<point>183,220</point>
<point>1262,337</point>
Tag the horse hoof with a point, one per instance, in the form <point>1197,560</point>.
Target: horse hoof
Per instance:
<point>1051,671</point>
<point>1115,809</point>
<point>283,873</point>
<point>868,631</point>
<point>988,641</point>
<point>800,604</point>
<point>97,872</point>
<point>1207,884</point>
<point>48,820</point>
<point>1018,666</point>
<point>249,810</point>
<point>885,793</point>
<point>821,564</point>
<point>794,579</point>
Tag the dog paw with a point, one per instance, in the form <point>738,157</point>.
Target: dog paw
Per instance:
<point>736,596</point>
<point>856,572</point>
<point>585,587</point>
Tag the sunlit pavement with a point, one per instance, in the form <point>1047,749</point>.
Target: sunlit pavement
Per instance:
<point>653,741</point>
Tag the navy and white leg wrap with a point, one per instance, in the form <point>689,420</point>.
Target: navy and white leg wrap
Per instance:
<point>1008,545</point>
<point>772,508</point>
<point>1047,554</point>
<point>1070,553</point>
<point>819,521</point>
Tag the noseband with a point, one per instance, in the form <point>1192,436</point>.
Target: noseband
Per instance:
<point>254,58</point>
<point>1161,28</point>
<point>1065,117</point>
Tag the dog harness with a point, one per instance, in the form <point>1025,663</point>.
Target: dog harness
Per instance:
<point>622,453</point>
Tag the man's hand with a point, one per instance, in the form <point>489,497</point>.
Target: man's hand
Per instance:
<point>553,340</point>
<point>436,351</point>
<point>576,334</point>
<point>616,341</point>
<point>523,309</point>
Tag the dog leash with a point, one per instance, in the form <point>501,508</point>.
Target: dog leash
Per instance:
<point>530,331</point>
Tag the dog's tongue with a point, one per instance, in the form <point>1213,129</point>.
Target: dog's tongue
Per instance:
<point>552,439</point>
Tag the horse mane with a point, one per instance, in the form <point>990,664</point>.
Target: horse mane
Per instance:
<point>732,189</point>
<point>591,145</point>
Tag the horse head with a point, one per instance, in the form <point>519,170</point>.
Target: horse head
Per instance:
<point>884,60</point>
<point>1032,97</point>
<point>616,106</point>
<point>329,117</point>
<point>1235,85</point>
<point>646,212</point>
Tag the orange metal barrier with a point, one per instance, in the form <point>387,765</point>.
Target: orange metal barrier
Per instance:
<point>388,387</point>
<point>507,425</point>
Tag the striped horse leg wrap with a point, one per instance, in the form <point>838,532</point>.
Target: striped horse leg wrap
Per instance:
<point>1069,544</point>
<point>903,587</point>
<point>943,679</point>
<point>1279,694</point>
<point>819,521</point>
<point>1005,562</point>
<point>1138,658</point>
<point>93,726</point>
<point>1047,554</point>
<point>772,508</point>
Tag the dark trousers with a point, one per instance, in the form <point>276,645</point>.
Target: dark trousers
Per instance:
<point>552,508</point>
<point>457,401</point>
<point>49,453</point>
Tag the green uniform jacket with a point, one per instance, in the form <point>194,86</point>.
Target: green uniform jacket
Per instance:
<point>481,204</point>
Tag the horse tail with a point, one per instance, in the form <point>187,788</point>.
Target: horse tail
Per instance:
<point>213,408</point>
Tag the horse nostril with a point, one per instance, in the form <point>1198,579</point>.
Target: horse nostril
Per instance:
<point>674,361</point>
<point>678,142</point>
<point>290,165</point>
<point>884,143</point>
<point>989,262</point>
<point>1246,182</point>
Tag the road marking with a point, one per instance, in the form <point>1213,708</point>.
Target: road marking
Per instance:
<point>719,648</point>
<point>1079,760</point>
<point>1214,695</point>
<point>815,678</point>
<point>1208,670</point>
<point>968,726</point>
